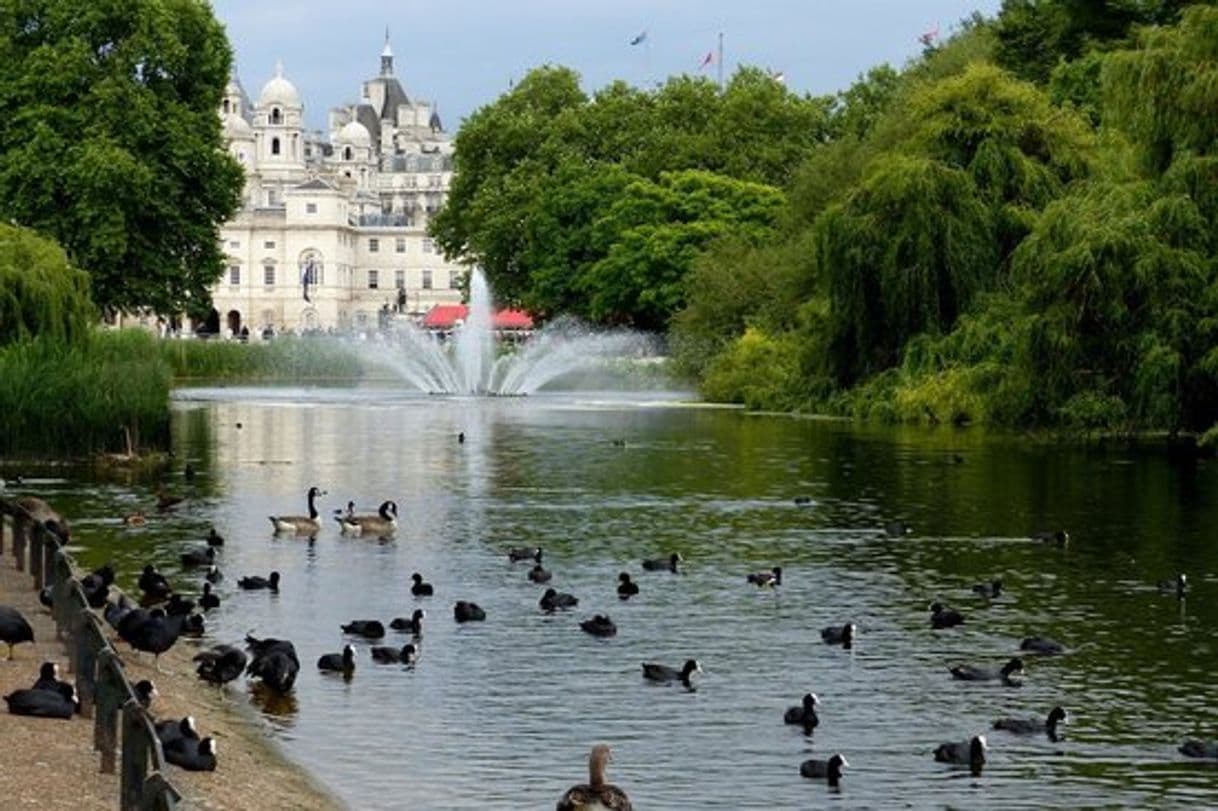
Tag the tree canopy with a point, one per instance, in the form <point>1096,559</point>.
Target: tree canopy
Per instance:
<point>40,292</point>
<point>110,143</point>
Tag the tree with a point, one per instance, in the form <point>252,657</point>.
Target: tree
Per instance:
<point>110,142</point>
<point>40,292</point>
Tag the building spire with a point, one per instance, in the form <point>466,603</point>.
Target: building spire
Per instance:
<point>278,68</point>
<point>387,56</point>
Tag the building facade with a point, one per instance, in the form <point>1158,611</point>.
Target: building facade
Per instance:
<point>332,228</point>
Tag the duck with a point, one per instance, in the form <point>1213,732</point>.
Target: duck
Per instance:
<point>664,564</point>
<point>839,635</point>
<point>897,529</point>
<point>385,522</point>
<point>154,584</point>
<point>763,579</point>
<point>166,501</point>
<point>414,625</point>
<point>974,673</point>
<point>96,585</point>
<point>152,632</point>
<point>540,574</point>
<point>1042,645</point>
<point>519,553</point>
<point>829,770</point>
<point>347,512</point>
<point>171,730</point>
<point>14,629</point>
<point>804,713</point>
<point>1179,585</point>
<point>599,625</point>
<point>208,599</point>
<point>43,703</point>
<point>338,662</point>
<point>943,617</point>
<point>553,600</point>
<point>465,611</point>
<point>214,575</point>
<point>192,755</point>
<point>48,679</point>
<point>145,691</point>
<point>988,590</point>
<point>596,794</point>
<point>1058,537</point>
<point>177,604</point>
<point>369,629</point>
<point>221,664</point>
<point>300,524</point>
<point>460,437</point>
<point>1200,749</point>
<point>135,519</point>
<point>274,661</point>
<point>214,538</point>
<point>970,752</point>
<point>626,588</point>
<point>257,582</point>
<point>199,557</point>
<point>420,587</point>
<point>407,654</point>
<point>1034,726</point>
<point>803,501</point>
<point>663,673</point>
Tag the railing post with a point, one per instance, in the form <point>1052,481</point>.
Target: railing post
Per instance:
<point>110,698</point>
<point>5,520</point>
<point>159,794</point>
<point>135,759</point>
<point>49,548</point>
<point>21,527</point>
<point>37,539</point>
<point>90,642</point>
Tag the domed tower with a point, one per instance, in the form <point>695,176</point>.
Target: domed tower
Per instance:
<point>278,124</point>
<point>353,154</point>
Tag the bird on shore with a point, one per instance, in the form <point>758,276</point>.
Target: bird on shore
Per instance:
<point>828,770</point>
<point>465,611</point>
<point>300,524</point>
<point>1042,645</point>
<point>221,664</point>
<point>274,661</point>
<point>43,703</point>
<point>145,691</point>
<point>258,583</point>
<point>154,585</point>
<point>804,713</point>
<point>338,662</point>
<point>943,617</point>
<point>553,600</point>
<point>192,755</point>
<point>152,632</point>
<point>421,588</point>
<point>988,590</point>
<point>407,654</point>
<point>666,675</point>
<point>414,624</point>
<point>970,752</point>
<point>1003,674</point>
<point>14,629</point>
<point>96,585</point>
<point>519,553</point>
<point>766,579</point>
<point>1178,585</point>
<point>369,629</point>
<point>599,625</point>
<point>1034,726</point>
<point>385,522</point>
<point>626,588</point>
<point>839,635</point>
<point>664,564</point>
<point>540,574</point>
<point>596,793</point>
<point>170,730</point>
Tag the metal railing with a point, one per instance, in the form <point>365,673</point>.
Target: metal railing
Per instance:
<point>102,686</point>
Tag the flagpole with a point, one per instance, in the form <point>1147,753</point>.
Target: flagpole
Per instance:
<point>720,61</point>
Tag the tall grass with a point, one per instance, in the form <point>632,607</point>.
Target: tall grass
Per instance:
<point>283,359</point>
<point>76,399</point>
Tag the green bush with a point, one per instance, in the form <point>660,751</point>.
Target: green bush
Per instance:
<point>758,371</point>
<point>40,292</point>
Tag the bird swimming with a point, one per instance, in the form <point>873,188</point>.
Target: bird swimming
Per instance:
<point>414,625</point>
<point>839,635</point>
<point>771,578</point>
<point>1042,645</point>
<point>1034,726</point>
<point>300,524</point>
<point>274,661</point>
<point>258,583</point>
<point>971,752</point>
<point>596,794</point>
<point>664,564</point>
<point>665,674</point>
<point>407,654</point>
<point>828,770</point>
<point>599,625</point>
<point>421,588</point>
<point>553,600</point>
<point>221,664</point>
<point>988,590</point>
<point>1003,674</point>
<point>943,617</point>
<point>519,553</point>
<point>338,662</point>
<point>804,713</point>
<point>626,588</point>
<point>540,574</point>
<point>369,629</point>
<point>465,611</point>
<point>385,522</point>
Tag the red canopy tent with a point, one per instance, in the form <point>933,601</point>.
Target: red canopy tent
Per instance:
<point>447,316</point>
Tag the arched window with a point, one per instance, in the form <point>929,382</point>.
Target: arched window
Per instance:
<point>226,105</point>
<point>274,146</point>
<point>347,153</point>
<point>312,268</point>
<point>276,116</point>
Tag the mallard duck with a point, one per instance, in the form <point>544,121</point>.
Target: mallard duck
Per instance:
<point>596,793</point>
<point>135,519</point>
<point>383,523</point>
<point>300,524</point>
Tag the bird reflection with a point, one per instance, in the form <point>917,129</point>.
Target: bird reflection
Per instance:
<point>279,707</point>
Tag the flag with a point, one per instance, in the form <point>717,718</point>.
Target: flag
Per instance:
<point>640,39</point>
<point>305,277</point>
<point>928,39</point>
<point>706,60</point>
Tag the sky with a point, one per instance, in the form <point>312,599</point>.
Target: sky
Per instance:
<point>463,54</point>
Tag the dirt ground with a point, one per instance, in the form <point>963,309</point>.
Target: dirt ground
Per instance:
<point>50,764</point>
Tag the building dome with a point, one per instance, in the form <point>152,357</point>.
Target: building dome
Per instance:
<point>279,91</point>
<point>354,133</point>
<point>236,127</point>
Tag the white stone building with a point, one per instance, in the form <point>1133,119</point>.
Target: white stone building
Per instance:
<point>347,212</point>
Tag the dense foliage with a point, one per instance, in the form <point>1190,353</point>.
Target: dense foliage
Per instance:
<point>110,143</point>
<point>40,292</point>
<point>1020,227</point>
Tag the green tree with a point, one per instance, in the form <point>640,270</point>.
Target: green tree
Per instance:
<point>110,143</point>
<point>40,292</point>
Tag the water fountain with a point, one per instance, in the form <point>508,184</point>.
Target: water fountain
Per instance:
<point>471,363</point>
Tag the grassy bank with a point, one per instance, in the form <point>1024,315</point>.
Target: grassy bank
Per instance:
<point>283,359</point>
<point>105,392</point>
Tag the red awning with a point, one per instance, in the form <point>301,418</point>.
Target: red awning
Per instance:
<point>513,319</point>
<point>447,316</point>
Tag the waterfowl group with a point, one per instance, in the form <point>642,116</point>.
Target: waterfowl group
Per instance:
<point>384,522</point>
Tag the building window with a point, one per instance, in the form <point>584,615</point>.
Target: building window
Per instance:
<point>426,279</point>
<point>428,247</point>
<point>411,182</point>
<point>399,279</point>
<point>274,146</point>
<point>310,208</point>
<point>347,153</point>
<point>399,245</point>
<point>374,245</point>
<point>234,243</point>
<point>270,243</point>
<point>272,198</point>
<point>454,280</point>
<point>276,118</point>
<point>434,181</point>
<point>374,279</point>
<point>312,269</point>
<point>234,274</point>
<point>226,105</point>
<point>268,275</point>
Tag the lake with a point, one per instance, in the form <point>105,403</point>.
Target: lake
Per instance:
<point>502,713</point>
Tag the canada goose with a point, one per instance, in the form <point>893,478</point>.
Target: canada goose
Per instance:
<point>596,793</point>
<point>384,522</point>
<point>301,524</point>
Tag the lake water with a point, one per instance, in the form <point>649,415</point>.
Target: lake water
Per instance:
<point>501,714</point>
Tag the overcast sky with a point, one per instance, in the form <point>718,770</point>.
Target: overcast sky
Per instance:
<point>463,53</point>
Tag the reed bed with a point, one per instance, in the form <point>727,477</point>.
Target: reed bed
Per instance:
<point>281,360</point>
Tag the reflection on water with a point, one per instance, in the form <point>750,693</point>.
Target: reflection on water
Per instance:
<point>502,713</point>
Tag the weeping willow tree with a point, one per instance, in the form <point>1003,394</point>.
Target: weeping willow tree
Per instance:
<point>904,254</point>
<point>40,292</point>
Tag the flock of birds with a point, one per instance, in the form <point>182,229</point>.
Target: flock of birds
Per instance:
<point>164,615</point>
